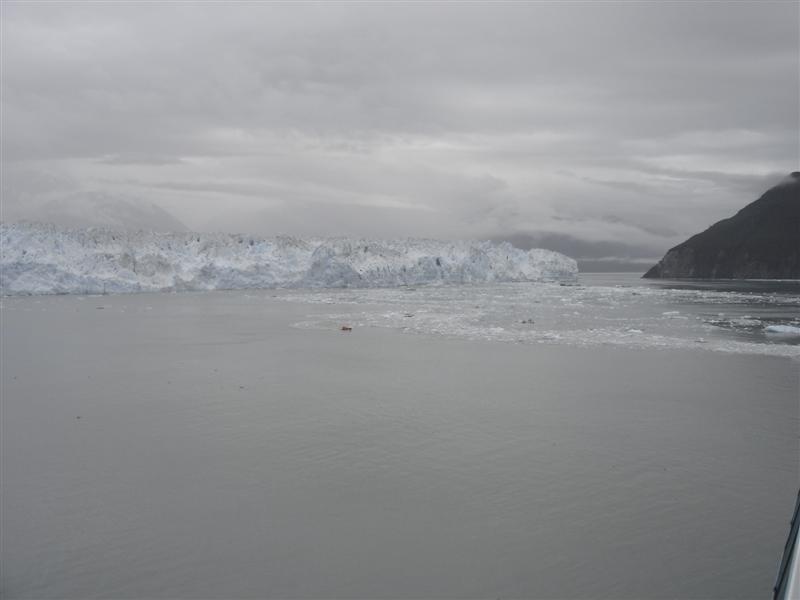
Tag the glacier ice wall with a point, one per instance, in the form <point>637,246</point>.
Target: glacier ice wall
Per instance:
<point>43,259</point>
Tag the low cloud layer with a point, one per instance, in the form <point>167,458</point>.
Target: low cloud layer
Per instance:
<point>621,127</point>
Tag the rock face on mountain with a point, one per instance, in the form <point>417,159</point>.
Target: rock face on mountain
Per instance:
<point>761,241</point>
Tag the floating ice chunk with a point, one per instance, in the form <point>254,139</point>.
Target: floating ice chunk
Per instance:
<point>785,330</point>
<point>745,322</point>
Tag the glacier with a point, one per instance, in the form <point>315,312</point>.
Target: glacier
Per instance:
<point>40,258</point>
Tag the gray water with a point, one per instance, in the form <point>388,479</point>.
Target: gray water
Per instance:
<point>239,445</point>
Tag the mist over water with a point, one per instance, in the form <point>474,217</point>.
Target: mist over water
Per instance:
<point>238,444</point>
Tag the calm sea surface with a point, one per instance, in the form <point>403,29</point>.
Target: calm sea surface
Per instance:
<point>632,441</point>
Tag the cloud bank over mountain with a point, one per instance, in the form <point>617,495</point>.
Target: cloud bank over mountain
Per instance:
<point>608,123</point>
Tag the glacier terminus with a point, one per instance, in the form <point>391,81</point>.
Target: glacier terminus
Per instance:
<point>44,259</point>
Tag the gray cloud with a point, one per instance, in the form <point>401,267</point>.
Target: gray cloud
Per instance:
<point>607,123</point>
<point>141,159</point>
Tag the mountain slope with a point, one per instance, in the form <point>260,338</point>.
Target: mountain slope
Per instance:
<point>761,241</point>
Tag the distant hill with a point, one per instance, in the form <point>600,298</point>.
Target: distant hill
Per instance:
<point>94,209</point>
<point>761,241</point>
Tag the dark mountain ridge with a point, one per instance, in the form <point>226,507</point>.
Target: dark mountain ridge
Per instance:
<point>761,241</point>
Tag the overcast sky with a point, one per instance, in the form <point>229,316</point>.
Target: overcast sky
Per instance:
<point>608,130</point>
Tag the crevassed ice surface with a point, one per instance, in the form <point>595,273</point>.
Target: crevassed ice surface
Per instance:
<point>43,259</point>
<point>633,314</point>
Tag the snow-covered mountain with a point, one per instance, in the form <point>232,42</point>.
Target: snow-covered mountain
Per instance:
<point>43,259</point>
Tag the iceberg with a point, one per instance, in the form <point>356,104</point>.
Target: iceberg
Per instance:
<point>44,259</point>
<point>786,330</point>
